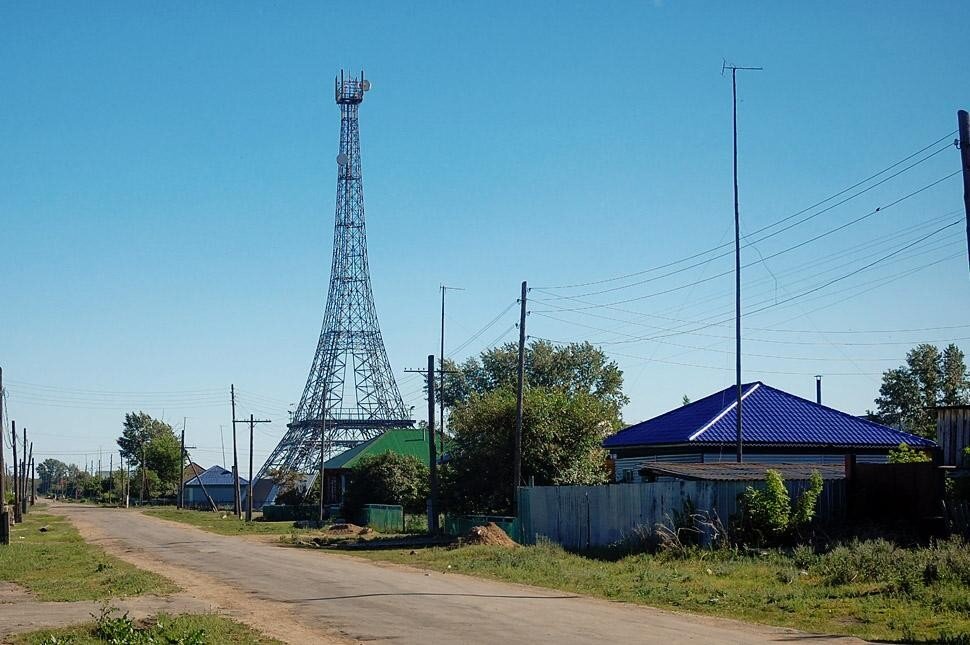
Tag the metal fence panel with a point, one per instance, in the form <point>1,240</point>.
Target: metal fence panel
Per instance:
<point>580,517</point>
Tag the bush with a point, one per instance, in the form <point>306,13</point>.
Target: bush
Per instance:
<point>904,571</point>
<point>390,478</point>
<point>767,516</point>
<point>906,455</point>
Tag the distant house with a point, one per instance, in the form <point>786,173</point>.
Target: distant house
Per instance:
<point>218,483</point>
<point>337,470</point>
<point>191,470</point>
<point>778,427</point>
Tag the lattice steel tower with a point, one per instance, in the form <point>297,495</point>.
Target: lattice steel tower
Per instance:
<point>350,394</point>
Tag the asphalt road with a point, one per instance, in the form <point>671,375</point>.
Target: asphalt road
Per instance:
<point>340,598</point>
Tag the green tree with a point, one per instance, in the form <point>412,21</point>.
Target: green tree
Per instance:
<point>137,430</point>
<point>151,445</point>
<point>50,472</point>
<point>929,378</point>
<point>956,383</point>
<point>577,368</point>
<point>388,478</point>
<point>906,455</point>
<point>163,457</point>
<point>561,444</point>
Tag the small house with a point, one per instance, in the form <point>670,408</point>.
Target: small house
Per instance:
<point>778,428</point>
<point>337,470</point>
<point>218,484</point>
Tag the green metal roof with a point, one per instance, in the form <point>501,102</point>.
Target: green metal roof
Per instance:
<point>404,442</point>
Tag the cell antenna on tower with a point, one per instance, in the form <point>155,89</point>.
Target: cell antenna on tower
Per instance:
<point>350,394</point>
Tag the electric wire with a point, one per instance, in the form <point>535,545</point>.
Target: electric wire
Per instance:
<point>769,226</point>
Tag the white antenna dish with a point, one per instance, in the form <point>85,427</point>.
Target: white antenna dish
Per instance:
<point>342,159</point>
<point>365,85</point>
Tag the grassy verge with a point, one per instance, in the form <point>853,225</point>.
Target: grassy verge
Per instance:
<point>803,591</point>
<point>189,629</point>
<point>221,523</point>
<point>59,565</point>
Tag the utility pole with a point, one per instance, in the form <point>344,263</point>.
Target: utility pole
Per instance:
<point>23,474</point>
<point>111,476</point>
<point>963,122</point>
<point>737,255</point>
<point>17,517</point>
<point>249,488</point>
<point>4,513</point>
<point>432,456</point>
<point>144,475</point>
<point>519,399</point>
<point>126,487</point>
<point>33,479</point>
<point>441,389</point>
<point>181,503</point>
<point>237,501</point>
<point>4,522</point>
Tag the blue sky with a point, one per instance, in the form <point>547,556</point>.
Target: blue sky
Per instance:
<point>167,186</point>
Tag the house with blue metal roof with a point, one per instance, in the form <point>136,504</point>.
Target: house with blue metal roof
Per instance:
<point>778,427</point>
<point>218,483</point>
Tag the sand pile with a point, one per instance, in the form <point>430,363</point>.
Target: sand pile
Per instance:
<point>345,529</point>
<point>490,534</point>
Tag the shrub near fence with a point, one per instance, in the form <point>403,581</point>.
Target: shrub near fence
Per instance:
<point>285,513</point>
<point>582,517</point>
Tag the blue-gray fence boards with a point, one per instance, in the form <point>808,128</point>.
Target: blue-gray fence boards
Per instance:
<point>580,517</point>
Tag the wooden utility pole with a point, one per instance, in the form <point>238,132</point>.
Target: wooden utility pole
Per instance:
<point>432,456</point>
<point>3,467</point>
<point>249,488</point>
<point>181,503</point>
<point>519,399</point>
<point>737,258</point>
<point>144,475</point>
<point>17,517</point>
<point>111,476</point>
<point>237,500</point>
<point>963,123</point>
<point>23,475</point>
<point>33,479</point>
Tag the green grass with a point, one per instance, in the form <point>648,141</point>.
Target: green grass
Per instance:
<point>223,523</point>
<point>767,589</point>
<point>59,565</point>
<point>187,628</point>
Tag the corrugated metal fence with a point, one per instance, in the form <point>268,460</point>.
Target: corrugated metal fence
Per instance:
<point>580,517</point>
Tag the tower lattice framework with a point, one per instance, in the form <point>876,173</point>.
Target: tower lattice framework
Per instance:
<point>350,395</point>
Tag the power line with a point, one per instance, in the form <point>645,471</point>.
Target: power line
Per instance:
<point>785,219</point>
<point>799,245</point>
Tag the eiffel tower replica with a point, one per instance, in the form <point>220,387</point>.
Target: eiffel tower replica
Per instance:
<point>350,395</point>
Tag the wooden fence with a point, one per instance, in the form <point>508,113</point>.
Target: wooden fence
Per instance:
<point>580,517</point>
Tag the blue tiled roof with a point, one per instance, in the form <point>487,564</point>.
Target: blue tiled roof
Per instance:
<point>770,417</point>
<point>216,476</point>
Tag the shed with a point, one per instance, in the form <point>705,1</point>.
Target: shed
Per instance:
<point>779,428</point>
<point>218,483</point>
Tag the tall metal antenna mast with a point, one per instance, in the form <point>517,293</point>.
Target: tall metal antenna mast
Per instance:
<point>737,251</point>
<point>350,394</point>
